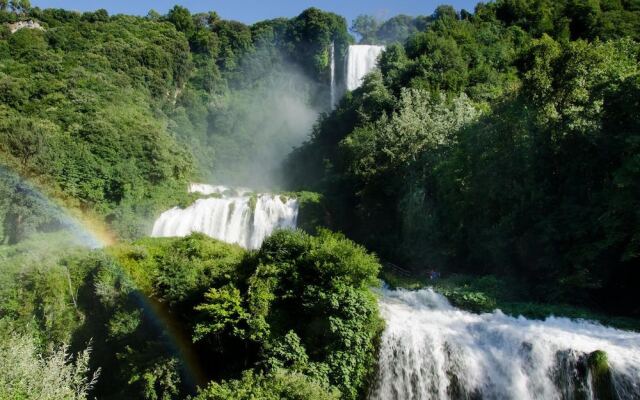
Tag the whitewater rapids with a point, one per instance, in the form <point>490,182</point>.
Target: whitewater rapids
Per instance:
<point>232,215</point>
<point>431,350</point>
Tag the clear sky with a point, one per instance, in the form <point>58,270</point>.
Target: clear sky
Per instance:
<point>249,11</point>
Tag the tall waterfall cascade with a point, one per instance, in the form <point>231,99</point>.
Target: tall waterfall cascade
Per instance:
<point>233,215</point>
<point>431,350</point>
<point>361,59</point>
<point>332,55</point>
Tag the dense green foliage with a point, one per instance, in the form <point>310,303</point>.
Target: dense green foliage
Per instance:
<point>396,29</point>
<point>569,19</point>
<point>114,114</point>
<point>399,28</point>
<point>81,111</point>
<point>295,319</point>
<point>502,142</point>
<point>277,386</point>
<point>26,375</point>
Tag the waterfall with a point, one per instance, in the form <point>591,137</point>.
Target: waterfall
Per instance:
<point>231,215</point>
<point>333,74</point>
<point>431,350</point>
<point>361,59</point>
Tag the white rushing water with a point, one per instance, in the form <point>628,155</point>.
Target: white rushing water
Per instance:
<point>229,215</point>
<point>332,55</point>
<point>431,350</point>
<point>361,59</point>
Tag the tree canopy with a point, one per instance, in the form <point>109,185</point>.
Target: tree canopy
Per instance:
<point>486,144</point>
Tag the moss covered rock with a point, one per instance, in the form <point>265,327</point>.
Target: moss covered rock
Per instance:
<point>601,379</point>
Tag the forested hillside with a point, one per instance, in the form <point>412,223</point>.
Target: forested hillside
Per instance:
<point>501,142</point>
<point>114,114</point>
<point>498,148</point>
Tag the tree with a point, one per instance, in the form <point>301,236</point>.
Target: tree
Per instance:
<point>366,26</point>
<point>445,12</point>
<point>222,310</point>
<point>584,16</point>
<point>153,15</point>
<point>465,15</point>
<point>26,374</point>
<point>206,19</point>
<point>397,29</point>
<point>100,15</point>
<point>26,139</point>
<point>422,123</point>
<point>180,17</point>
<point>281,385</point>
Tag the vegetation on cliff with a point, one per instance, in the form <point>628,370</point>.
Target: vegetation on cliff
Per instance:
<point>500,142</point>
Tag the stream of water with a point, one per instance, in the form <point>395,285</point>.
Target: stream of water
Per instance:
<point>432,350</point>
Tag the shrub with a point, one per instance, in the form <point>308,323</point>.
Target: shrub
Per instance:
<point>279,385</point>
<point>25,374</point>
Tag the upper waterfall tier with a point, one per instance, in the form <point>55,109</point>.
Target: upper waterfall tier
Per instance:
<point>332,65</point>
<point>231,215</point>
<point>361,59</point>
<point>431,350</point>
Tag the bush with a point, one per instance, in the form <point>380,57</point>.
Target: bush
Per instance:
<point>279,385</point>
<point>25,374</point>
<point>299,313</point>
<point>470,300</point>
<point>319,289</point>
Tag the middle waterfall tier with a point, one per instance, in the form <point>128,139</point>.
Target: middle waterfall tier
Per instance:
<point>231,215</point>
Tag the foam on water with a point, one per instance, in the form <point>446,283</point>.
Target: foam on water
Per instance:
<point>431,350</point>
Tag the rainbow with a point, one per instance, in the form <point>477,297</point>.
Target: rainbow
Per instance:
<point>91,232</point>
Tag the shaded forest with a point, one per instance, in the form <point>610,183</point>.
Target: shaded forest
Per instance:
<point>501,142</point>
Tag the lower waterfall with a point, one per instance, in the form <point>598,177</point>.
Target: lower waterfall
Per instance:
<point>231,215</point>
<point>431,350</point>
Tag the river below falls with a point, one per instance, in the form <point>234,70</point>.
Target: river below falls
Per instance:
<point>432,350</point>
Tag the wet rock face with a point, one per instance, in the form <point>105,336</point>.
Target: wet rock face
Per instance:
<point>571,375</point>
<point>584,376</point>
<point>29,24</point>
